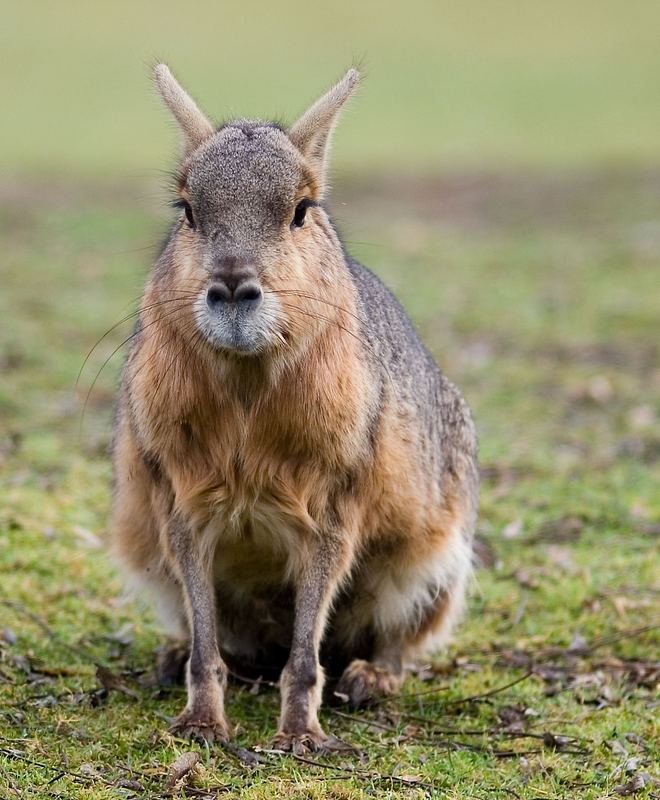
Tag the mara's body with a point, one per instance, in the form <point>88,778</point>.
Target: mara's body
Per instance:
<point>293,474</point>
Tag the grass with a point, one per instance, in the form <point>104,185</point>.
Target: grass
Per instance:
<point>535,285</point>
<point>537,296</point>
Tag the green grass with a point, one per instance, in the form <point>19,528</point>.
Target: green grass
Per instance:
<point>531,270</point>
<point>448,84</point>
<point>539,298</point>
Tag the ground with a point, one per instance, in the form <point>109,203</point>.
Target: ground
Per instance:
<point>538,296</point>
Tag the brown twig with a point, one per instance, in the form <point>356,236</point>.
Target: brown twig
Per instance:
<point>416,695</point>
<point>631,633</point>
<point>78,777</point>
<point>365,774</point>
<point>483,695</point>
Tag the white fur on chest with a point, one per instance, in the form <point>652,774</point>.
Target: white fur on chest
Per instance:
<point>257,547</point>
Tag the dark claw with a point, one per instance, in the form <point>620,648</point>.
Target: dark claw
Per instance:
<point>189,727</point>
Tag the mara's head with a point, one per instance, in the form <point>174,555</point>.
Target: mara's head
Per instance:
<point>253,246</point>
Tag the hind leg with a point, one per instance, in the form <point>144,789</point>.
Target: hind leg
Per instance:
<point>365,681</point>
<point>166,601</point>
<point>171,664</point>
<point>137,517</point>
<point>409,607</point>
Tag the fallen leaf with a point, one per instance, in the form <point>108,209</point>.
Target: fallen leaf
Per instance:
<point>598,390</point>
<point>247,756</point>
<point>129,783</point>
<point>564,529</point>
<point>484,553</point>
<point>555,742</point>
<point>591,604</point>
<point>620,605</point>
<point>562,557</point>
<point>9,636</point>
<point>578,643</point>
<point>98,697</point>
<point>525,579</point>
<point>410,778</point>
<point>642,417</point>
<point>513,718</point>
<point>110,680</point>
<point>617,748</point>
<point>513,529</point>
<point>85,535</point>
<point>632,786</point>
<point>181,768</point>
<point>123,636</point>
<point>44,702</point>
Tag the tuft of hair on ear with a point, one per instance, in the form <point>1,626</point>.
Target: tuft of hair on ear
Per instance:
<point>312,132</point>
<point>194,126</point>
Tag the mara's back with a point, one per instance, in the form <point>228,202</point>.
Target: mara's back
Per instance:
<point>403,365</point>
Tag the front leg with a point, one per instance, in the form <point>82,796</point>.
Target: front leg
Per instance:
<point>206,674</point>
<point>301,682</point>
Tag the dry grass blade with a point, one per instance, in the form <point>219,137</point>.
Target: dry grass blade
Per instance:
<point>110,680</point>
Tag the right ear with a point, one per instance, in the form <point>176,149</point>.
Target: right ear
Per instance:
<point>311,134</point>
<point>194,126</point>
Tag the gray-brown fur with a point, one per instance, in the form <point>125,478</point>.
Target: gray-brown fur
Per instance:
<point>295,480</point>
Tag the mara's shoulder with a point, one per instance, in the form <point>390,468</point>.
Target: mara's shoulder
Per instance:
<point>387,324</point>
<point>374,295</point>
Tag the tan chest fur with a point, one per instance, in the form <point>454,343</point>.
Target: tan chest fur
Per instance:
<point>243,456</point>
<point>256,460</point>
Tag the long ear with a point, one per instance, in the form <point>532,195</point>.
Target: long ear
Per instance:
<point>311,134</point>
<point>194,126</point>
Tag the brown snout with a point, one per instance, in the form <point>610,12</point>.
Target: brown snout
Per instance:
<point>233,281</point>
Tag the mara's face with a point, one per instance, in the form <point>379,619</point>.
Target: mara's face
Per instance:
<point>252,248</point>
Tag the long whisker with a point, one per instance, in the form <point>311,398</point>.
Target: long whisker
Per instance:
<point>307,296</point>
<point>121,322</point>
<point>191,325</point>
<point>116,350</point>
<point>334,322</point>
<point>323,318</point>
<point>185,345</point>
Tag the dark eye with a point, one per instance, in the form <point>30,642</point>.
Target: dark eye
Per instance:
<point>189,215</point>
<point>300,212</point>
<point>185,205</point>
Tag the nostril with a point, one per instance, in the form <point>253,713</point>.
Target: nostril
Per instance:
<point>248,292</point>
<point>216,294</point>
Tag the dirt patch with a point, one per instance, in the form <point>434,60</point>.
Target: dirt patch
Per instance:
<point>465,200</point>
<point>474,200</point>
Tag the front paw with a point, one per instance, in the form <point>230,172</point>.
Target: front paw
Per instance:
<point>204,728</point>
<point>364,682</point>
<point>308,742</point>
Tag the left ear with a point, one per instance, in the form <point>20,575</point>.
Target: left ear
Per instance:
<point>194,126</point>
<point>311,134</point>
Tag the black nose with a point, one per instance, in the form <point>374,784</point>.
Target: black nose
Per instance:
<point>247,294</point>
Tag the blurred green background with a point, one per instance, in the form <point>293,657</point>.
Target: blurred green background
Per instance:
<point>500,169</point>
<point>449,84</point>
